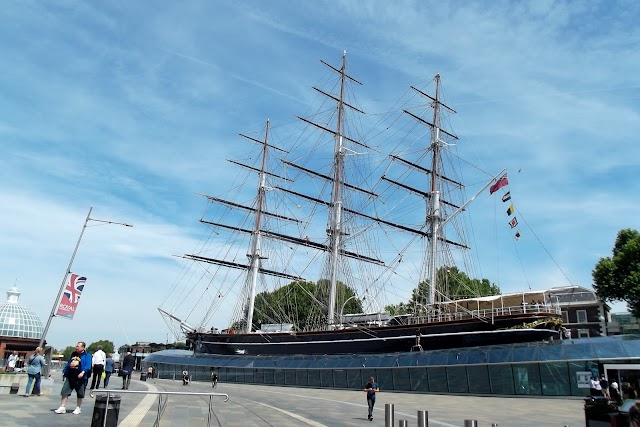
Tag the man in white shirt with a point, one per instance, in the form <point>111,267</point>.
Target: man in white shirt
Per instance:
<point>98,361</point>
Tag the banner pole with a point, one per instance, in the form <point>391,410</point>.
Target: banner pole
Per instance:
<point>64,282</point>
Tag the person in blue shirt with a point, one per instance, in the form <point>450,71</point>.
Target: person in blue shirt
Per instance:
<point>76,374</point>
<point>371,388</point>
<point>108,369</point>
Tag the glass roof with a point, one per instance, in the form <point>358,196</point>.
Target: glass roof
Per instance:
<point>621,347</point>
<point>16,320</point>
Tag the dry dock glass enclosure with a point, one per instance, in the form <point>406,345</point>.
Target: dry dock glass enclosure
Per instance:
<point>556,368</point>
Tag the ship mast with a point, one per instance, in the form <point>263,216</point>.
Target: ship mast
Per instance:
<point>254,251</point>
<point>335,220</point>
<point>433,214</point>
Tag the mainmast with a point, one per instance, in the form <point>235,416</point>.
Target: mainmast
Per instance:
<point>254,251</point>
<point>433,214</point>
<point>334,229</point>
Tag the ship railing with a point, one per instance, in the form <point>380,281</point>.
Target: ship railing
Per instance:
<point>162,404</point>
<point>486,314</point>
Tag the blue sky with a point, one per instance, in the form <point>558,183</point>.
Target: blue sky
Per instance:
<point>129,107</point>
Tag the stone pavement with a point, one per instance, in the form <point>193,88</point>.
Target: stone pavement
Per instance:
<point>258,405</point>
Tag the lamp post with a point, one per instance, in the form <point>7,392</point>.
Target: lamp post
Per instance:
<point>66,274</point>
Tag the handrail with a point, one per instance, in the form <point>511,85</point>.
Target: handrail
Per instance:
<point>161,405</point>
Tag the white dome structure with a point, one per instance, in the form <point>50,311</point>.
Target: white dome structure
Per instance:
<point>17,321</point>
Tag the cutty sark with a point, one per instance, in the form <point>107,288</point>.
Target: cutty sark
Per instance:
<point>312,286</point>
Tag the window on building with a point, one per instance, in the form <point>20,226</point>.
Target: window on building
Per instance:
<point>582,316</point>
<point>583,333</point>
<point>565,316</point>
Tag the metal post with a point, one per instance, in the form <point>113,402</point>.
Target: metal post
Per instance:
<point>389,417</point>
<point>423,419</point>
<point>64,281</point>
<point>403,423</point>
<point>470,423</point>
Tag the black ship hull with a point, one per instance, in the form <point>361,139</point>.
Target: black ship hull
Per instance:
<point>385,339</point>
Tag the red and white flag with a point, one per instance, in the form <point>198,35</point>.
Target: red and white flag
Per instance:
<point>71,296</point>
<point>503,181</point>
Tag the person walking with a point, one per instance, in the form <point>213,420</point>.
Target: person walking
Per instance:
<point>76,375</point>
<point>109,366</point>
<point>34,370</point>
<point>98,361</point>
<point>214,379</point>
<point>371,388</point>
<point>127,369</point>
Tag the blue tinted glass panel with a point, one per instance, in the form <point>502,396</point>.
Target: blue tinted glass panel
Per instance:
<point>326,378</point>
<point>501,378</point>
<point>438,380</point>
<point>278,376</point>
<point>384,378</point>
<point>313,377</point>
<point>340,378</point>
<point>268,376</point>
<point>301,377</point>
<point>457,379</point>
<point>419,379</point>
<point>527,379</point>
<point>524,354</point>
<point>290,377</point>
<point>354,380</point>
<point>554,378</point>
<point>499,355</point>
<point>478,379</point>
<point>401,379</point>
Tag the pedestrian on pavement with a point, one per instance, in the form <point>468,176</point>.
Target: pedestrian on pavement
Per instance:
<point>34,370</point>
<point>11,361</point>
<point>109,366</point>
<point>76,375</point>
<point>98,361</point>
<point>127,369</point>
<point>371,388</point>
<point>214,379</point>
<point>605,387</point>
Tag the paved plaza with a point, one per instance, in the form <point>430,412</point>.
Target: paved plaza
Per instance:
<point>258,405</point>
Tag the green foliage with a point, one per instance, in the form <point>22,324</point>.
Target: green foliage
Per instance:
<point>67,351</point>
<point>107,346</point>
<point>618,277</point>
<point>298,302</point>
<point>451,282</point>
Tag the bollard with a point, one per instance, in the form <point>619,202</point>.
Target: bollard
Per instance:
<point>102,410</point>
<point>403,423</point>
<point>470,423</point>
<point>423,419</point>
<point>389,418</point>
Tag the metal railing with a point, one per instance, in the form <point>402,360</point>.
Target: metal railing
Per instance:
<point>161,404</point>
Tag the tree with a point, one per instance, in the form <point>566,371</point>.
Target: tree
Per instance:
<point>453,283</point>
<point>298,303</point>
<point>107,346</point>
<point>618,277</point>
<point>67,352</point>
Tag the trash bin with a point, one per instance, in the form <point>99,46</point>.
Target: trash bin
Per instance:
<point>143,377</point>
<point>102,409</point>
<point>598,411</point>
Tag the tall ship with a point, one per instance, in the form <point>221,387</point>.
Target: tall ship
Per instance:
<point>310,251</point>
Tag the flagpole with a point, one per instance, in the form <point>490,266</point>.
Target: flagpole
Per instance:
<point>66,274</point>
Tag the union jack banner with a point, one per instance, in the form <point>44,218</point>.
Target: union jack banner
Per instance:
<point>71,296</point>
